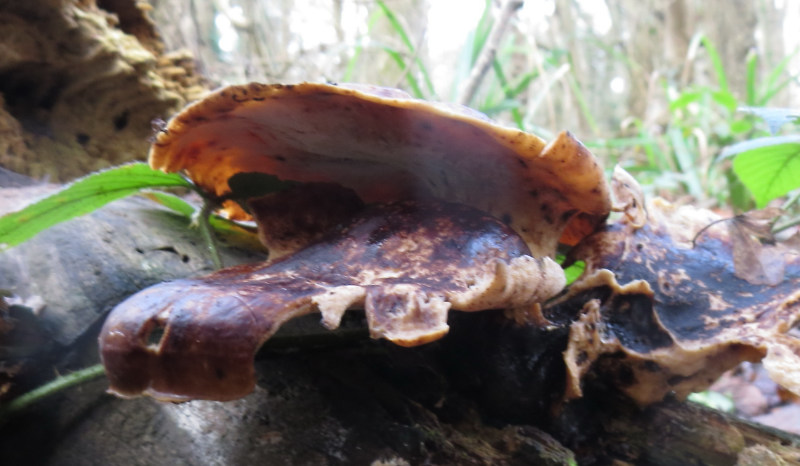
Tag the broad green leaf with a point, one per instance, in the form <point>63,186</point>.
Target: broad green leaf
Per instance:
<point>769,171</point>
<point>81,197</point>
<point>574,271</point>
<point>582,103</point>
<point>508,96</point>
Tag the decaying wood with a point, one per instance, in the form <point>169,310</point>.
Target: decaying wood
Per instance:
<point>482,395</point>
<point>80,84</point>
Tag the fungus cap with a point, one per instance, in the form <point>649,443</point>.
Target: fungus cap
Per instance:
<point>401,207</point>
<point>386,146</point>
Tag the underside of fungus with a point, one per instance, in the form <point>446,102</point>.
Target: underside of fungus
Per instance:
<point>365,198</point>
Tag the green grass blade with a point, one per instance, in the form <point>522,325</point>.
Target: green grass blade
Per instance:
<point>686,163</point>
<point>716,63</point>
<point>180,206</point>
<point>772,91</point>
<point>482,30</point>
<point>750,83</point>
<point>773,84</point>
<point>81,197</point>
<point>471,49</point>
<point>174,203</point>
<point>508,94</point>
<point>398,58</point>
<point>351,64</point>
<point>574,271</point>
<point>401,31</point>
<point>584,106</point>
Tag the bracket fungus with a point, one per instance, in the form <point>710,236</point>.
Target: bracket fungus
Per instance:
<point>402,207</point>
<point>662,310</point>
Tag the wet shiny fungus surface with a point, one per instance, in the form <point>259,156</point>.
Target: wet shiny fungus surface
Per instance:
<point>405,263</point>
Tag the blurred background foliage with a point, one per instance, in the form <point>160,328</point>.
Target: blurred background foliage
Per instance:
<point>666,88</point>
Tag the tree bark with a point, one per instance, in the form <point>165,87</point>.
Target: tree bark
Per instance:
<point>81,85</point>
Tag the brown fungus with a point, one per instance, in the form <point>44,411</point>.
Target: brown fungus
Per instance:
<point>674,314</point>
<point>405,263</point>
<point>401,207</point>
<point>385,146</point>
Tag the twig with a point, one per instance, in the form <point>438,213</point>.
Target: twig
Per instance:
<point>703,230</point>
<point>51,388</point>
<point>486,58</point>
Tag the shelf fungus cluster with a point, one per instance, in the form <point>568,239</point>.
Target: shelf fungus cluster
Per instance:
<point>369,199</point>
<point>366,198</point>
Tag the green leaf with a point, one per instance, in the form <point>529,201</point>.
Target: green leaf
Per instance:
<point>173,203</point>
<point>716,62</point>
<point>482,30</point>
<point>246,235</point>
<point>574,271</point>
<point>770,170</point>
<point>774,84</point>
<point>726,99</point>
<point>81,197</point>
